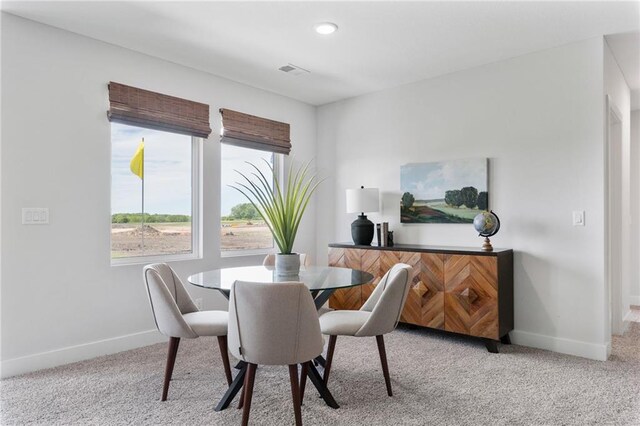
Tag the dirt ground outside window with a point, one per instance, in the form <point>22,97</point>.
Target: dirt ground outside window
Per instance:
<point>175,238</point>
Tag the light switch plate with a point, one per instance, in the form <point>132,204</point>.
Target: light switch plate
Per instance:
<point>35,216</point>
<point>578,218</point>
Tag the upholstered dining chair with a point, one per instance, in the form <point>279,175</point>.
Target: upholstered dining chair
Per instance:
<point>378,316</point>
<point>273,324</point>
<point>270,260</point>
<point>177,317</point>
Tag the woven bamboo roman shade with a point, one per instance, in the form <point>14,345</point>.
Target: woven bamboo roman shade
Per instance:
<point>254,132</point>
<point>138,107</point>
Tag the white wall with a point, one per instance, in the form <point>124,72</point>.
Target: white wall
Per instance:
<point>59,293</point>
<point>617,89</point>
<point>635,207</point>
<point>539,118</point>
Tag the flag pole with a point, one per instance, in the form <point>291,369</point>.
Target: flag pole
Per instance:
<point>142,225</point>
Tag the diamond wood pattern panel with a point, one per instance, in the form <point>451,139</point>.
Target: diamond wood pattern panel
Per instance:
<point>349,298</point>
<point>432,273</point>
<point>471,295</point>
<point>336,257</point>
<point>370,262</point>
<point>412,312</point>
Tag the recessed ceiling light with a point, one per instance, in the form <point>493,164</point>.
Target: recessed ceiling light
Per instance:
<point>325,28</point>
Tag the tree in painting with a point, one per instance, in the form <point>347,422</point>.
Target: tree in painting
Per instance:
<point>469,196</point>
<point>407,200</point>
<point>483,200</point>
<point>453,198</point>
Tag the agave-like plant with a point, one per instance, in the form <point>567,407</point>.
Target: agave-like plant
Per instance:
<point>281,208</point>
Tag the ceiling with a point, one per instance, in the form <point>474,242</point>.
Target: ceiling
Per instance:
<point>378,44</point>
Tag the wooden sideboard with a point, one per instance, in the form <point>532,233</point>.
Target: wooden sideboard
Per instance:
<point>461,290</point>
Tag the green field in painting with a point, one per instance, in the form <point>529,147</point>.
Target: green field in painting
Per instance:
<point>437,211</point>
<point>461,212</point>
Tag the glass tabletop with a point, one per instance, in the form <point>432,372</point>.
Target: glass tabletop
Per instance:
<point>314,277</point>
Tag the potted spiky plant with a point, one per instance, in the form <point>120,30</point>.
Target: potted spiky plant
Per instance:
<point>280,207</point>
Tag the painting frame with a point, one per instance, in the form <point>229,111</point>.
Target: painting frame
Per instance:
<point>448,191</point>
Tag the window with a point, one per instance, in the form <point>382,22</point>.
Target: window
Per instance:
<point>242,229</point>
<point>158,215</point>
<point>262,142</point>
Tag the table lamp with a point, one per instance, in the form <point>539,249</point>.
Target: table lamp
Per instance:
<point>362,200</point>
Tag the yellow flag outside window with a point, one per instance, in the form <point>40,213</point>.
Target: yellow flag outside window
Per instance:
<point>137,162</point>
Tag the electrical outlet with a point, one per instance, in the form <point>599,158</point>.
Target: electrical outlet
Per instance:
<point>578,218</point>
<point>199,303</point>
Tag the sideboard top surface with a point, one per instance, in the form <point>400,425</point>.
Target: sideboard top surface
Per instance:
<point>427,249</point>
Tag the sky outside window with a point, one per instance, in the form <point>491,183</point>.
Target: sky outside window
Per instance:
<point>236,158</point>
<point>167,170</point>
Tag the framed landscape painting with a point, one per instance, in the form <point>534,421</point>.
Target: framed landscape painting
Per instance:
<point>444,192</point>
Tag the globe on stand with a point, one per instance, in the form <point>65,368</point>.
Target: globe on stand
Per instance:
<point>487,224</point>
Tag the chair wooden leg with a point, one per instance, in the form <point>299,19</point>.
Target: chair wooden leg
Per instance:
<point>327,366</point>
<point>383,361</point>
<point>248,392</point>
<point>224,352</point>
<point>295,393</point>
<point>241,400</point>
<point>171,360</point>
<point>303,380</point>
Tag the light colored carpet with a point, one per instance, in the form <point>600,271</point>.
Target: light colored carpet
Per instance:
<point>437,379</point>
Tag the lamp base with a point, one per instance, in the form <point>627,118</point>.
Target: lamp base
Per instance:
<point>362,231</point>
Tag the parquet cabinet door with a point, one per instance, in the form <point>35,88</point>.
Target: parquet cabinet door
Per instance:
<point>349,298</point>
<point>471,295</point>
<point>432,272</point>
<point>412,312</point>
<point>370,262</point>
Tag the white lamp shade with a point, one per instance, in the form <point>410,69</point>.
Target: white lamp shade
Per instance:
<point>363,200</point>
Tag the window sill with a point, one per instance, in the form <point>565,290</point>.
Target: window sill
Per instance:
<point>145,260</point>
<point>246,253</point>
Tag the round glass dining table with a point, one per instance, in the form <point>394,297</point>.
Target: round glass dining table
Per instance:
<point>322,281</point>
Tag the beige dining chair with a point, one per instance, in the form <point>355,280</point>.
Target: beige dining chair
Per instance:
<point>177,317</point>
<point>273,324</point>
<point>378,316</point>
<point>270,260</point>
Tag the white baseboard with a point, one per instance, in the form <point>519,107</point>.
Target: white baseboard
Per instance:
<point>29,363</point>
<point>557,344</point>
<point>635,300</point>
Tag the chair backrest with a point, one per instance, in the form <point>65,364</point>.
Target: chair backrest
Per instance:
<point>169,300</point>
<point>387,301</point>
<point>270,260</point>
<point>273,323</point>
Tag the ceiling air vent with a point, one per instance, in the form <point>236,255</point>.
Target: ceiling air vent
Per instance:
<point>293,69</point>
